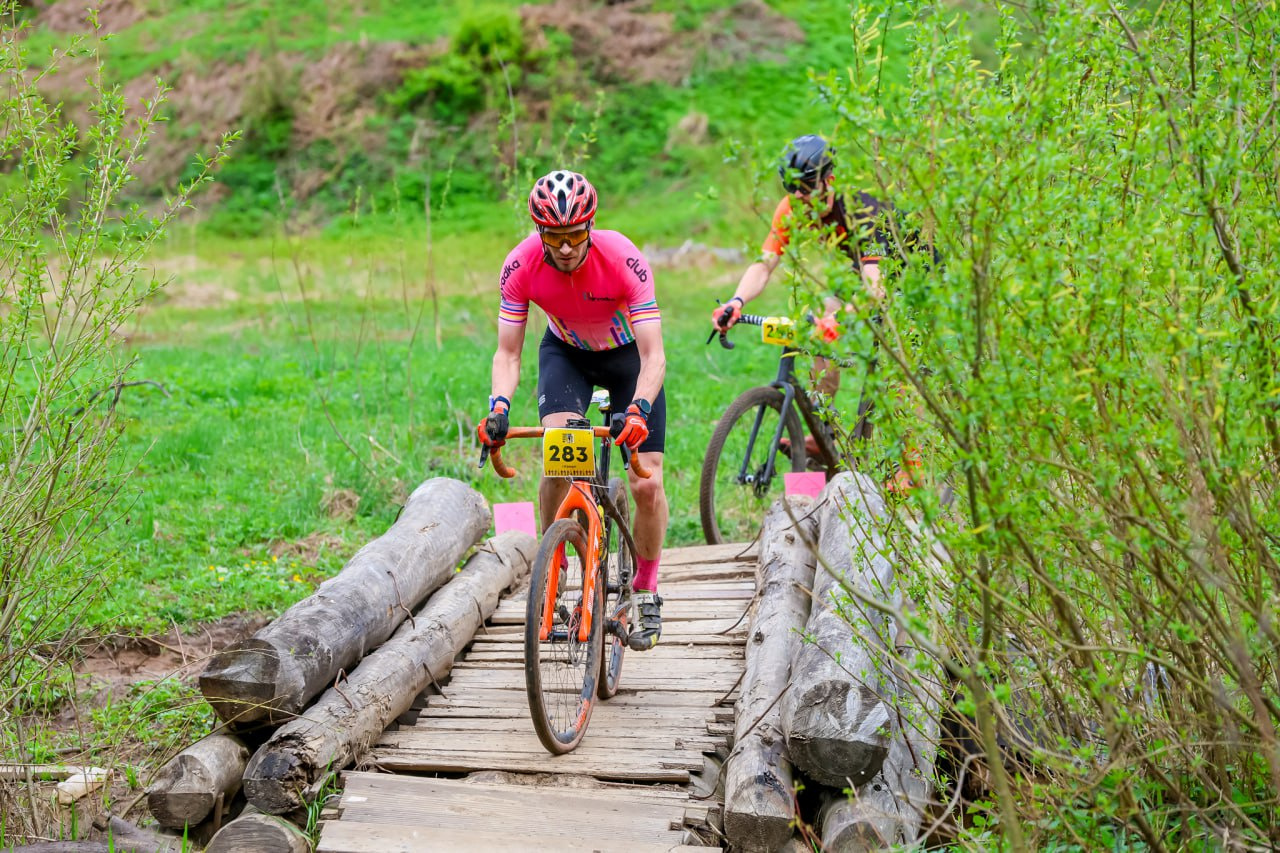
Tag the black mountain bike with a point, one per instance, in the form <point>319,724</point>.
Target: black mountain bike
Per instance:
<point>761,430</point>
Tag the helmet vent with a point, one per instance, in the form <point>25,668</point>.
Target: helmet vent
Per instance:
<point>562,198</point>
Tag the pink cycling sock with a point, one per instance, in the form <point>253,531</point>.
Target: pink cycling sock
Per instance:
<point>646,575</point>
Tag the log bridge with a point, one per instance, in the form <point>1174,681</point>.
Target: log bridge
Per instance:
<point>400,683</point>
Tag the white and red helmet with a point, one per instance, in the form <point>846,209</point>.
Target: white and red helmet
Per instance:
<point>562,198</point>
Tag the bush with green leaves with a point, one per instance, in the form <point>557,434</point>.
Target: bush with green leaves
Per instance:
<point>73,278</point>
<point>1092,372</point>
<point>486,56</point>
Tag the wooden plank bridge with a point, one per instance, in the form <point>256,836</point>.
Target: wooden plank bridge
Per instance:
<point>469,772</point>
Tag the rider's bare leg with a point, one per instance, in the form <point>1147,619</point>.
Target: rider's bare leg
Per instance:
<point>909,475</point>
<point>825,376</point>
<point>551,490</point>
<point>649,530</point>
<point>650,527</point>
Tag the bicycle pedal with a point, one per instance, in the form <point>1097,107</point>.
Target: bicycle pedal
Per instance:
<point>616,628</point>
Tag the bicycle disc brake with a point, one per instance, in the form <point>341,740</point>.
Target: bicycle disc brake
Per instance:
<point>571,618</point>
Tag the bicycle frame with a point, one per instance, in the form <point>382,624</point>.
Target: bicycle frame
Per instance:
<point>580,499</point>
<point>787,383</point>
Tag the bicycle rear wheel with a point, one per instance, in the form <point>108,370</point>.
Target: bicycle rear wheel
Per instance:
<point>561,670</point>
<point>742,472</point>
<point>620,567</point>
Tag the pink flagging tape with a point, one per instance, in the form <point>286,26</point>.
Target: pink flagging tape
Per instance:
<point>804,483</point>
<point>514,516</point>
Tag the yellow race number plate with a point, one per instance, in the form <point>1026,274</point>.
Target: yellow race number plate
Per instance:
<point>568,453</point>
<point>779,331</point>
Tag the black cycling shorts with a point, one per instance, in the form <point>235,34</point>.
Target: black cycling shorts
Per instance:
<point>567,376</point>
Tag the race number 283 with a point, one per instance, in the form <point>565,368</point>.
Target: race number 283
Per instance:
<point>568,453</point>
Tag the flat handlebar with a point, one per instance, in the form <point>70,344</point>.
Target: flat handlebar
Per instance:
<point>504,470</point>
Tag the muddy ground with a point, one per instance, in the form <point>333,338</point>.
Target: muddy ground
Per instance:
<point>111,671</point>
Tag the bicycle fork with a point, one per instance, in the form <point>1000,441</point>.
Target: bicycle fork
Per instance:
<point>761,479</point>
<point>579,499</point>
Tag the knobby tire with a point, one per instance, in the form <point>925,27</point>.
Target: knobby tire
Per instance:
<point>561,673</point>
<point>718,481</point>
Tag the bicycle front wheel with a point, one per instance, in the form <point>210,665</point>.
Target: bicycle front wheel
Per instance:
<point>742,472</point>
<point>560,669</point>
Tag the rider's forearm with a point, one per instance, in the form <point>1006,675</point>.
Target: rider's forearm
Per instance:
<point>753,281</point>
<point>653,361</point>
<point>653,370</point>
<point>871,281</point>
<point>506,374</point>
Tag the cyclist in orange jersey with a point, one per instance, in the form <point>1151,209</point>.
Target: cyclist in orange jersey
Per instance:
<point>857,221</point>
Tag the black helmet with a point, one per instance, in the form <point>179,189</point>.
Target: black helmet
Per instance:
<point>805,163</point>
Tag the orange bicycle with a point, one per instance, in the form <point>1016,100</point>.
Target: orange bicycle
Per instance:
<point>580,586</point>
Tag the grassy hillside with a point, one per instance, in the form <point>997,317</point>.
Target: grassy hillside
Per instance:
<point>356,111</point>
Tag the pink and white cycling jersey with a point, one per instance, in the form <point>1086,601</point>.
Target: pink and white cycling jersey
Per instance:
<point>595,307</point>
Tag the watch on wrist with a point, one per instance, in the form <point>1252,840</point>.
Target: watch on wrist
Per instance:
<point>643,405</point>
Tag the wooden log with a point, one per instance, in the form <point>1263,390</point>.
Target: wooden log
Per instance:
<point>919,688</point>
<point>759,804</point>
<point>859,823</point>
<point>889,810</point>
<point>793,845</point>
<point>833,716</point>
<point>79,785</point>
<point>347,719</point>
<point>186,789</point>
<point>41,772</point>
<point>254,832</point>
<point>76,847</point>
<point>272,675</point>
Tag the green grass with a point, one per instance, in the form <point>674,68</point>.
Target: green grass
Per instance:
<point>144,724</point>
<point>275,401</point>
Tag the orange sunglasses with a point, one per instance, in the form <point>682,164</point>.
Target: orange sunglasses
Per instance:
<point>573,238</point>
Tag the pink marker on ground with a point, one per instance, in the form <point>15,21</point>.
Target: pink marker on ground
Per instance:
<point>808,483</point>
<point>514,516</point>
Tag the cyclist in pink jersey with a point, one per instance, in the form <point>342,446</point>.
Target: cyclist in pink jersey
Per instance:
<point>603,330</point>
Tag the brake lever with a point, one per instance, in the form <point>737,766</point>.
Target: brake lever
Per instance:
<point>616,422</point>
<point>722,331</point>
<point>484,454</point>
